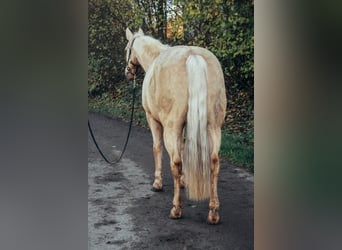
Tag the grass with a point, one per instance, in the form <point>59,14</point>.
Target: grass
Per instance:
<point>236,148</point>
<point>119,109</point>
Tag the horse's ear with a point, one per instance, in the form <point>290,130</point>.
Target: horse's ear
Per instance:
<point>129,34</point>
<point>141,31</point>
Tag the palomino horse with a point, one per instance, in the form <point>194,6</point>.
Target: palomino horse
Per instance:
<point>183,90</point>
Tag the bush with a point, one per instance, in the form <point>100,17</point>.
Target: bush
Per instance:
<point>106,42</point>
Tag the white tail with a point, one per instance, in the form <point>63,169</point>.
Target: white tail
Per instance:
<point>196,152</point>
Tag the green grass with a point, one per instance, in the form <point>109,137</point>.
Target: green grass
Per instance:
<point>119,109</point>
<point>236,148</point>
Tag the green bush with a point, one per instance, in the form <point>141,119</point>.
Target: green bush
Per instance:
<point>107,21</point>
<point>226,29</point>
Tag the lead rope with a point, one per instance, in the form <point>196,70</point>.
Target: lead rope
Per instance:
<point>128,134</point>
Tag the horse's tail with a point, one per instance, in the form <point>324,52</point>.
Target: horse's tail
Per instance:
<point>197,149</point>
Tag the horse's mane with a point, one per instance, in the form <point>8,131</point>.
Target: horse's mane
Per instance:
<point>151,47</point>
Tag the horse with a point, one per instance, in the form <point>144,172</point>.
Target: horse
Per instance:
<point>183,94</point>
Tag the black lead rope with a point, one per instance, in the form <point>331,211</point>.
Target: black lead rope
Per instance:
<point>128,134</point>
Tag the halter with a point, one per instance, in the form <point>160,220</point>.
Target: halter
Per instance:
<point>130,61</point>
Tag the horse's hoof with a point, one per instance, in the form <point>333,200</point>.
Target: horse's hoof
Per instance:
<point>157,187</point>
<point>176,213</point>
<point>213,217</point>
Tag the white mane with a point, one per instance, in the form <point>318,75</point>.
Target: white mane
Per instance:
<point>147,49</point>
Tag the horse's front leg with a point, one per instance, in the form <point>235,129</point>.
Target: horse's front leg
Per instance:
<point>157,131</point>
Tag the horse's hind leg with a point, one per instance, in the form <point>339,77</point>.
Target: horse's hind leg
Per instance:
<point>172,140</point>
<point>157,131</point>
<point>214,204</point>
<point>182,178</point>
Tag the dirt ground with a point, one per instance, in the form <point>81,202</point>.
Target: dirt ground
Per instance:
<point>123,212</point>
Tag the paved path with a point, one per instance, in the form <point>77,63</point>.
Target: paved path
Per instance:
<point>124,213</point>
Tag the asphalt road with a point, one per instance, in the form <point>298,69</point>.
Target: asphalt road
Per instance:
<point>123,212</point>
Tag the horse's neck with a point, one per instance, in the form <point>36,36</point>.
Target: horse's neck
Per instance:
<point>148,53</point>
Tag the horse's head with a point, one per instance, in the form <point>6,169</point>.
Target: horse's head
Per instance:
<point>131,57</point>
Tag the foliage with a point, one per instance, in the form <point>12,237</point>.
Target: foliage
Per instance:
<point>106,42</point>
<point>152,15</point>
